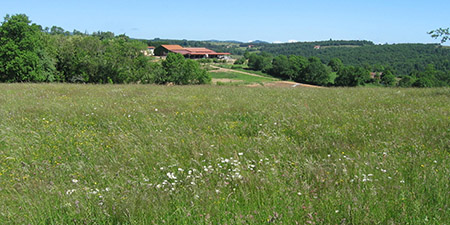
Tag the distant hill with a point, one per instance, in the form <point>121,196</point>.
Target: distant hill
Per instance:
<point>402,58</point>
<point>258,42</point>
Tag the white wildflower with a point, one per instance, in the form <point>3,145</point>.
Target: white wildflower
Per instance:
<point>156,110</point>
<point>69,192</point>
<point>74,181</point>
<point>240,153</point>
<point>171,176</point>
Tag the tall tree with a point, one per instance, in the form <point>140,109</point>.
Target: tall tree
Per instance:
<point>23,56</point>
<point>335,64</point>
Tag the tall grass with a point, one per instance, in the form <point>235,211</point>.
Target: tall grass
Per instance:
<point>223,155</point>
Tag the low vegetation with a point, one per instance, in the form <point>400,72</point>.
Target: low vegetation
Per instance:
<point>142,154</point>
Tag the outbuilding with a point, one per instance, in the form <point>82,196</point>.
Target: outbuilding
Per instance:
<point>191,53</point>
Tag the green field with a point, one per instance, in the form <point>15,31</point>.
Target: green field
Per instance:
<point>142,154</point>
<point>241,77</point>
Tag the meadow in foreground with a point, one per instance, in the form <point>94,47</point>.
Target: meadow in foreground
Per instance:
<point>140,154</point>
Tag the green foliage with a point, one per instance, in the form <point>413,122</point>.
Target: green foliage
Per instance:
<point>316,73</point>
<point>29,54</point>
<point>240,61</point>
<point>403,59</point>
<point>406,81</point>
<point>259,62</point>
<point>352,76</point>
<point>388,79</point>
<point>442,33</point>
<point>179,70</point>
<point>280,67</point>
<point>335,64</point>
<point>23,57</point>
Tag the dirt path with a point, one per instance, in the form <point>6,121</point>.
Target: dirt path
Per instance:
<point>266,84</point>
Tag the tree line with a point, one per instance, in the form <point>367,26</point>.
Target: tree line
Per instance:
<point>402,59</point>
<point>30,53</point>
<point>335,73</point>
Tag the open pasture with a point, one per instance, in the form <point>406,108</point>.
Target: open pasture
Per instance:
<point>143,154</point>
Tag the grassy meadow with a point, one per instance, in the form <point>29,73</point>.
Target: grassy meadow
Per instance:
<point>143,154</point>
<point>239,78</point>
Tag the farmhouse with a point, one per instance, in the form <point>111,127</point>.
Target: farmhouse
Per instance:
<point>150,51</point>
<point>192,53</point>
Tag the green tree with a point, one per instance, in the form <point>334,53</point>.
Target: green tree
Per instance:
<point>352,76</point>
<point>179,70</point>
<point>297,66</point>
<point>280,67</point>
<point>387,78</point>
<point>335,64</point>
<point>406,81</point>
<point>316,73</point>
<point>23,56</point>
<point>259,62</point>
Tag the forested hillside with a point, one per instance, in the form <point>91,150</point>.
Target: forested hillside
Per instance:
<point>403,59</point>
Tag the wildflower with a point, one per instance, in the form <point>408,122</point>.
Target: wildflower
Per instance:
<point>171,176</point>
<point>217,191</point>
<point>129,115</point>
<point>402,181</point>
<point>336,211</point>
<point>156,110</point>
<point>107,189</point>
<point>240,153</point>
<point>69,192</point>
<point>299,193</point>
<point>74,181</point>
<point>180,169</point>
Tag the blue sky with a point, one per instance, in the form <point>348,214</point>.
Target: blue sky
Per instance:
<point>381,21</point>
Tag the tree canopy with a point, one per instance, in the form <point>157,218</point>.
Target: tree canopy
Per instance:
<point>29,53</point>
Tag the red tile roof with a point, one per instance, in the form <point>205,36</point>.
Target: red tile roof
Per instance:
<point>191,51</point>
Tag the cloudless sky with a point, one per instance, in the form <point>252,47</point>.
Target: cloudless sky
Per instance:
<point>380,21</point>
